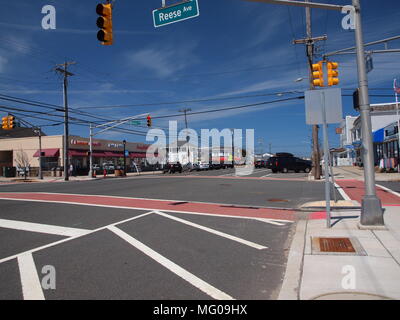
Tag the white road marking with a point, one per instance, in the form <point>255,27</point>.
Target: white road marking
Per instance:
<point>31,286</point>
<point>342,193</point>
<point>71,238</point>
<point>176,269</point>
<point>267,175</point>
<point>218,233</point>
<point>42,228</point>
<point>270,221</point>
<point>388,190</point>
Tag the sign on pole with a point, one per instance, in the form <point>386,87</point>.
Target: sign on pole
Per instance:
<point>175,13</point>
<point>333,106</point>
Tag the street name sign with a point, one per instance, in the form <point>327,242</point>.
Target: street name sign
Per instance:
<point>175,13</point>
<point>135,122</point>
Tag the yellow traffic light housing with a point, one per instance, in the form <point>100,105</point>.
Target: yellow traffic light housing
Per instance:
<point>5,123</point>
<point>11,122</point>
<point>333,74</point>
<point>104,22</point>
<point>148,121</point>
<point>318,74</point>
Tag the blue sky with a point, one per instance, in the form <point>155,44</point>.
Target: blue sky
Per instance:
<point>233,49</point>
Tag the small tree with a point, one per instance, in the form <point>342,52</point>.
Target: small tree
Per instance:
<point>22,160</point>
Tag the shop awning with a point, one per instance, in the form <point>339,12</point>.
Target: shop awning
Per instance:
<point>77,153</point>
<point>137,155</point>
<point>113,154</point>
<point>51,153</point>
<point>379,135</point>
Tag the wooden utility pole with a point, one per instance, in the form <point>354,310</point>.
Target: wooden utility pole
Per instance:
<point>309,42</point>
<point>62,68</point>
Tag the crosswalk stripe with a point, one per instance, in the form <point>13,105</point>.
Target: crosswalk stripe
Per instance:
<point>179,271</point>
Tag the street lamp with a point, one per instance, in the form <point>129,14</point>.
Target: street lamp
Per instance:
<point>124,142</point>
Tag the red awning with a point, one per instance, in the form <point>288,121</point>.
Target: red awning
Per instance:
<point>48,153</point>
<point>113,154</point>
<point>137,155</point>
<point>77,153</point>
<point>99,154</point>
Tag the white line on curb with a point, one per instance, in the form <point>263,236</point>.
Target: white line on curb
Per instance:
<point>179,271</point>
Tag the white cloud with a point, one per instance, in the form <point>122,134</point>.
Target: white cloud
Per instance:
<point>164,61</point>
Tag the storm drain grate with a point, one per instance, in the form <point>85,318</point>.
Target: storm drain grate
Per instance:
<point>336,245</point>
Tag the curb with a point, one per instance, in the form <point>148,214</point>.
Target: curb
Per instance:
<point>290,289</point>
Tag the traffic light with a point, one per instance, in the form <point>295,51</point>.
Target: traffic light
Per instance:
<point>333,74</point>
<point>104,22</point>
<point>318,74</point>
<point>148,121</point>
<point>5,123</point>
<point>10,122</point>
<point>356,100</point>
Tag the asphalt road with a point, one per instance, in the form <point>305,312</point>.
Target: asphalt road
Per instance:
<point>112,238</point>
<point>157,256</point>
<point>218,186</point>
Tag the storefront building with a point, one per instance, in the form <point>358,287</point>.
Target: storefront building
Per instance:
<point>21,152</point>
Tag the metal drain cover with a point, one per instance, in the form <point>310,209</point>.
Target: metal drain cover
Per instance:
<point>336,245</point>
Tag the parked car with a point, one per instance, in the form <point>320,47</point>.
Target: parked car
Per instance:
<point>260,164</point>
<point>203,166</point>
<point>173,167</point>
<point>289,163</point>
<point>215,166</point>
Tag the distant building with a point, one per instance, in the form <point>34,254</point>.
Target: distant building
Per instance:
<point>104,151</point>
<point>385,136</point>
<point>345,155</point>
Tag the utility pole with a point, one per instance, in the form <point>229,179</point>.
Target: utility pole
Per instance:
<point>186,125</point>
<point>309,42</point>
<point>62,68</point>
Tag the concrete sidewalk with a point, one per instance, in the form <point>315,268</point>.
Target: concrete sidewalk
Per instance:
<point>353,172</point>
<point>371,272</point>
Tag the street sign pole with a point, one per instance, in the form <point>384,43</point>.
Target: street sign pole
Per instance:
<point>326,163</point>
